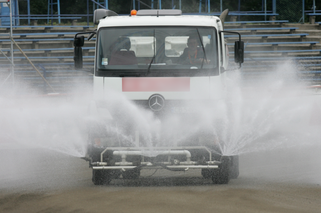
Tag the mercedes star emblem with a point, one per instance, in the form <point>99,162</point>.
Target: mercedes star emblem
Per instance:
<point>156,102</point>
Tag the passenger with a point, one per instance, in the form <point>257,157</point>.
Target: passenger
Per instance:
<point>122,55</point>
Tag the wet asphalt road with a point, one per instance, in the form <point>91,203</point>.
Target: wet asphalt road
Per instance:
<point>42,180</point>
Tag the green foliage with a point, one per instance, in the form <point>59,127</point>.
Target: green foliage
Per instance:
<point>121,6</point>
<point>38,7</point>
<point>190,6</point>
<point>73,7</point>
<point>289,10</point>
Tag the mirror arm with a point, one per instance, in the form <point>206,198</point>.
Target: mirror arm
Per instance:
<point>232,32</point>
<point>92,33</point>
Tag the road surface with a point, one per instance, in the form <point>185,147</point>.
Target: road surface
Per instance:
<point>42,180</point>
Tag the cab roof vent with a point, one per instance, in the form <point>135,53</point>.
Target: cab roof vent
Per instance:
<point>159,12</point>
<point>102,13</point>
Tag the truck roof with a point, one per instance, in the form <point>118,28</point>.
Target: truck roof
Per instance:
<point>182,20</point>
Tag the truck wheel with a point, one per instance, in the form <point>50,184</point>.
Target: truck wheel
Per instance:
<point>94,153</point>
<point>131,174</point>
<point>207,173</point>
<point>101,177</point>
<point>115,173</point>
<point>234,168</point>
<point>222,174</point>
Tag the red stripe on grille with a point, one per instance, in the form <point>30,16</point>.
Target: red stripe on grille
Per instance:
<point>155,84</point>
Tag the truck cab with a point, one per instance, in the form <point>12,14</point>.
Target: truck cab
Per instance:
<point>169,66</point>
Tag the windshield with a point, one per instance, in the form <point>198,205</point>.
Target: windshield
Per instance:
<point>157,51</point>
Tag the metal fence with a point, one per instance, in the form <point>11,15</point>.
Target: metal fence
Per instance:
<point>311,7</point>
<point>251,10</point>
<point>294,11</point>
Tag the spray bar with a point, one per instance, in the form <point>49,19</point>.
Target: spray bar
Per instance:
<point>179,167</point>
<point>124,153</point>
<point>114,167</point>
<point>154,149</point>
<point>187,163</point>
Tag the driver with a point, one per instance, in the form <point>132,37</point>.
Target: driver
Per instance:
<point>193,54</point>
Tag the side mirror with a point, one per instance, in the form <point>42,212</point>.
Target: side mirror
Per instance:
<point>78,43</point>
<point>239,52</point>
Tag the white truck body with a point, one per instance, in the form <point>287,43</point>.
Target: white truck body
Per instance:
<point>164,62</point>
<point>205,87</point>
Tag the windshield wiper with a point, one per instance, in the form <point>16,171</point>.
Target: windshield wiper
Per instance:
<point>204,57</point>
<point>150,64</point>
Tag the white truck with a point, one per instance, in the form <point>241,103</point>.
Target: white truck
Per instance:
<point>168,65</point>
